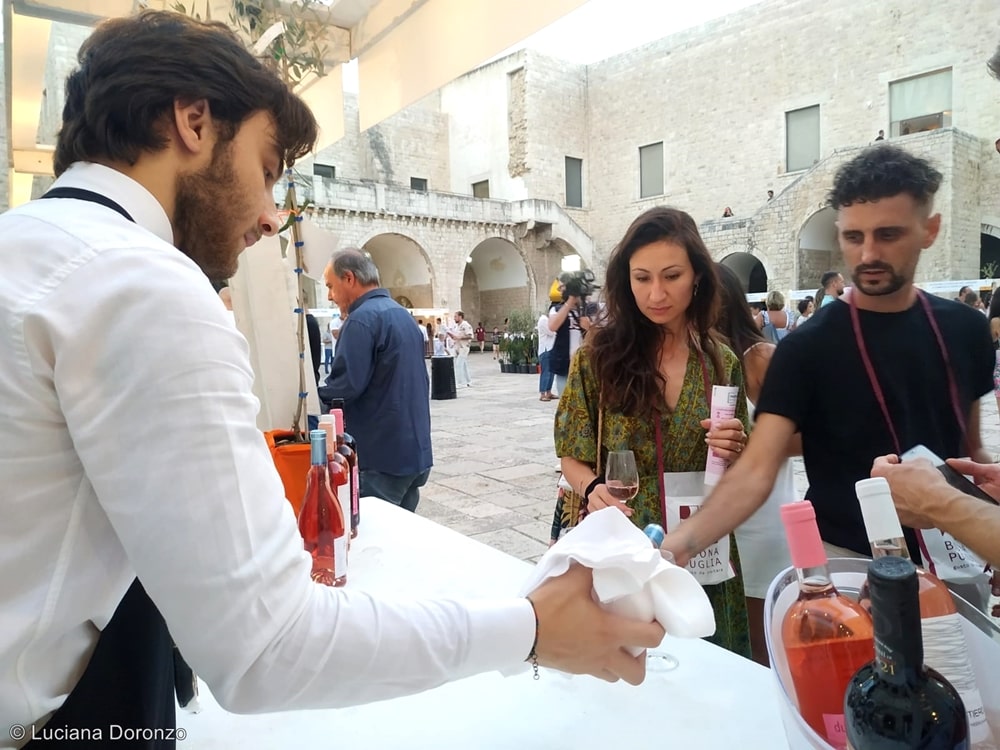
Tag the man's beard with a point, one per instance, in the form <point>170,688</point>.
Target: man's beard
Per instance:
<point>207,208</point>
<point>894,284</point>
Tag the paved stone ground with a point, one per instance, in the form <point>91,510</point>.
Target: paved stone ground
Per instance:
<point>494,475</point>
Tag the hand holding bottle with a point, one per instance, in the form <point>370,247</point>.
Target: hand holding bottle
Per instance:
<point>726,437</point>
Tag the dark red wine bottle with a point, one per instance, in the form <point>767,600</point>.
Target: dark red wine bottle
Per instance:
<point>896,702</point>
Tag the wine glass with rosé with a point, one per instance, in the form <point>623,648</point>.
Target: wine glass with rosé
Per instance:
<point>621,476</point>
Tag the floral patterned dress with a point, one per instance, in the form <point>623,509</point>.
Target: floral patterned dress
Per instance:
<point>684,450</point>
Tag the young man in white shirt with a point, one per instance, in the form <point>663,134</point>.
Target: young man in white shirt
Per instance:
<point>461,334</point>
<point>128,457</point>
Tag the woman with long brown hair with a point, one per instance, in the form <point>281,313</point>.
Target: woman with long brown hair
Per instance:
<point>640,381</point>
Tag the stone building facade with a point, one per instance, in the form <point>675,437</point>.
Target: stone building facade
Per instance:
<point>717,98</point>
<point>470,198</point>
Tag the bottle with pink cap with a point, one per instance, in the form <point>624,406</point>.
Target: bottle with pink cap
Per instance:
<point>827,637</point>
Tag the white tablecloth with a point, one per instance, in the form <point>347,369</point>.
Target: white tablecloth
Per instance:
<point>713,700</point>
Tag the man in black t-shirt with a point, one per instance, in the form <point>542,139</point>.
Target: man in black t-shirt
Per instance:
<point>884,199</point>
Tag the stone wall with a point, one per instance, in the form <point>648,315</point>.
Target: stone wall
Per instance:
<point>497,304</point>
<point>479,106</point>
<point>717,95</point>
<point>411,143</point>
<point>471,302</point>
<point>813,264</point>
<point>419,295</point>
<point>557,127</point>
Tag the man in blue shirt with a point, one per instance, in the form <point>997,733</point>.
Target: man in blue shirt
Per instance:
<point>379,372</point>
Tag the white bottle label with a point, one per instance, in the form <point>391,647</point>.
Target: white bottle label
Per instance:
<point>724,399</point>
<point>343,496</point>
<point>340,556</point>
<point>946,652</point>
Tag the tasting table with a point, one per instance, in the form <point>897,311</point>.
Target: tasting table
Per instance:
<point>714,699</point>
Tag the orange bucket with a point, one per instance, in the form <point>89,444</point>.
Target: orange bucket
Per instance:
<point>292,462</point>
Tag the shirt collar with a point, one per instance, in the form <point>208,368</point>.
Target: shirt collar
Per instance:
<point>122,189</point>
<point>377,292</point>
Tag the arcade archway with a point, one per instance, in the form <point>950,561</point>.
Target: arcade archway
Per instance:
<point>818,250</point>
<point>404,268</point>
<point>496,281</point>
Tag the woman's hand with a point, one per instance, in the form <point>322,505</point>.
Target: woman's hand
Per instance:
<point>600,497</point>
<point>727,438</point>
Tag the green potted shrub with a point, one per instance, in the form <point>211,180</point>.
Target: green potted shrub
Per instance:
<point>521,328</point>
<point>504,348</point>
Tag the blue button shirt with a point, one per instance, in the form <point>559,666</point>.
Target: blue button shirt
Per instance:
<point>379,372</point>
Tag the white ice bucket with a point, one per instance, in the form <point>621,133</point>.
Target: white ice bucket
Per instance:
<point>981,635</point>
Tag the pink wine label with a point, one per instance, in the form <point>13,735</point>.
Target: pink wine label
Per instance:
<point>836,729</point>
<point>724,399</point>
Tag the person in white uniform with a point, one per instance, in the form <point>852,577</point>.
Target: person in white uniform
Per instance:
<point>127,458</point>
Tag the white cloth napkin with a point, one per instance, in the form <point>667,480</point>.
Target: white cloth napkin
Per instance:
<point>631,577</point>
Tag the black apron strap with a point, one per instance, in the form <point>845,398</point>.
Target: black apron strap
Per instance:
<point>88,195</point>
<point>128,683</point>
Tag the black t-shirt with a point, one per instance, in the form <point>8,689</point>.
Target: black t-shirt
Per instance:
<point>817,379</point>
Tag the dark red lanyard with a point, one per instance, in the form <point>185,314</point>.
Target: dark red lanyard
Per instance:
<point>873,378</point>
<point>659,439</point>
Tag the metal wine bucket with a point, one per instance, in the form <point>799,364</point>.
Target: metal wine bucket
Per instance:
<point>981,636</point>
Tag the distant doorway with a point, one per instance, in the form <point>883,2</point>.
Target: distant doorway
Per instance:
<point>749,270</point>
<point>989,256</point>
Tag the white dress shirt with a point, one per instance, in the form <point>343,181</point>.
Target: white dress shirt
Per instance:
<point>124,454</point>
<point>546,336</point>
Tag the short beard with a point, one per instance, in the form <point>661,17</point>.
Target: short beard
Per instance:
<point>896,281</point>
<point>204,215</point>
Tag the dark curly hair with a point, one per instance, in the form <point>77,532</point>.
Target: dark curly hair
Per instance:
<point>625,348</point>
<point>132,70</point>
<point>881,172</point>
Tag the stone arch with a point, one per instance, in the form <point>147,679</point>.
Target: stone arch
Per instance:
<point>404,267</point>
<point>497,279</point>
<point>750,269</point>
<point>817,249</point>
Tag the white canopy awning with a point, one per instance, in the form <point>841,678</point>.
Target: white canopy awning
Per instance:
<point>405,50</point>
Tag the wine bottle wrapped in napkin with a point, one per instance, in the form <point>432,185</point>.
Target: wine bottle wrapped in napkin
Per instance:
<point>631,577</point>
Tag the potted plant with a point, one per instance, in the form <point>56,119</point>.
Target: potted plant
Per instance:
<point>521,328</point>
<point>516,352</point>
<point>504,354</point>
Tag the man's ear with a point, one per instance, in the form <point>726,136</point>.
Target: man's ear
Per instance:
<point>193,125</point>
<point>931,229</point>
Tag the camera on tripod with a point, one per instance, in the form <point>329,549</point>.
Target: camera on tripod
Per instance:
<point>578,284</point>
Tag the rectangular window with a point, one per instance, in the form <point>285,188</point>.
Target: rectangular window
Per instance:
<point>574,182</point>
<point>418,183</point>
<point>651,170</point>
<point>325,170</point>
<point>920,103</point>
<point>481,189</point>
<point>801,138</point>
